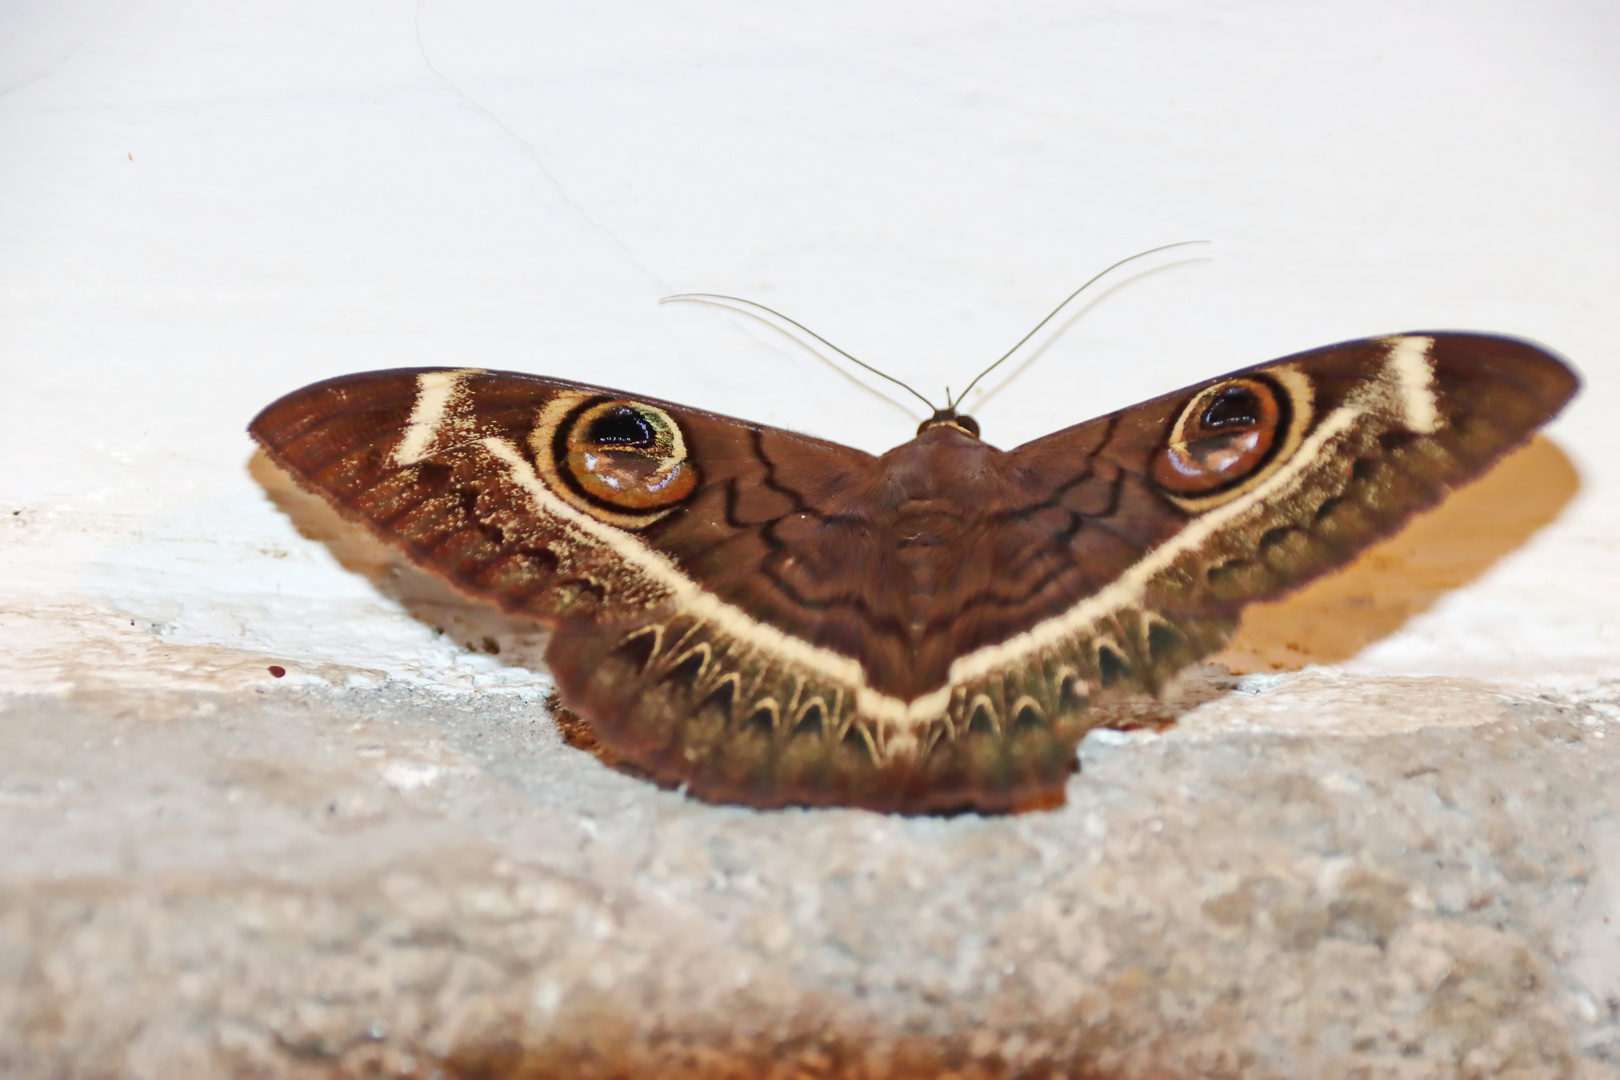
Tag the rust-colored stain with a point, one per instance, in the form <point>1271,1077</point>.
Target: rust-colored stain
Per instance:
<point>826,1056</point>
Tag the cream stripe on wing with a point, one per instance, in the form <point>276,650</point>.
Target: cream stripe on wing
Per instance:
<point>1413,367</point>
<point>438,395</point>
<point>1403,390</point>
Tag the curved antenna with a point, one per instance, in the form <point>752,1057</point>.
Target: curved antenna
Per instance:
<point>706,298</point>
<point>1060,307</point>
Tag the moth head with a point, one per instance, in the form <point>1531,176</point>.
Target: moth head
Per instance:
<point>620,461</point>
<point>950,418</point>
<point>1228,434</point>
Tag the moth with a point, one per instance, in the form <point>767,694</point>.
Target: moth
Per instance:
<point>772,619</point>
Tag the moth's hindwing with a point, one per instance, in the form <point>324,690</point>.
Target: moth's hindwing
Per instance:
<point>772,619</point>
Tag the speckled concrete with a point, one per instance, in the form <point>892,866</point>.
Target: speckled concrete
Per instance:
<point>285,882</point>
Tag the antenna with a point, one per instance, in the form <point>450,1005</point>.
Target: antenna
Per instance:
<point>1060,307</point>
<point>711,298</point>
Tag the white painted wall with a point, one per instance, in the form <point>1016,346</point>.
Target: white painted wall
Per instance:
<point>205,205</point>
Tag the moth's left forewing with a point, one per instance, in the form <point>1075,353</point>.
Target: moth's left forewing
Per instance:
<point>1371,433</point>
<point>439,462</point>
<point>1254,483</point>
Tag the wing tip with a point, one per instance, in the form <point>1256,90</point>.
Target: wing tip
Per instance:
<point>1530,367</point>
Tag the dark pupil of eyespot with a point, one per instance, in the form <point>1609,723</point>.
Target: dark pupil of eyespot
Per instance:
<point>621,426</point>
<point>1234,406</point>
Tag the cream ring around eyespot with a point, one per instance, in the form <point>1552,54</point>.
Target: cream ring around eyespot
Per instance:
<point>543,439</point>
<point>1301,400</point>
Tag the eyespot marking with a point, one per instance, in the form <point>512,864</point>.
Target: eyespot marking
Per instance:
<point>628,455</point>
<point>1111,666</point>
<point>1225,435</point>
<point>1162,639</point>
<point>623,462</point>
<point>1027,714</point>
<point>810,720</point>
<point>641,646</point>
<point>763,716</point>
<point>982,716</point>
<point>689,668</point>
<point>724,696</point>
<point>857,738</point>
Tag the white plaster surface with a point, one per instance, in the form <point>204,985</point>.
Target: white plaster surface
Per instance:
<point>203,206</point>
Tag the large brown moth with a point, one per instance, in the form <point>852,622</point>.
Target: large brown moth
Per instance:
<point>773,619</point>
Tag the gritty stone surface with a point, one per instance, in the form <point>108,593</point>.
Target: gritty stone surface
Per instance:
<point>285,881</point>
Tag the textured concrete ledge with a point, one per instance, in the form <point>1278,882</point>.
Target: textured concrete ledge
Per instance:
<point>287,881</point>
